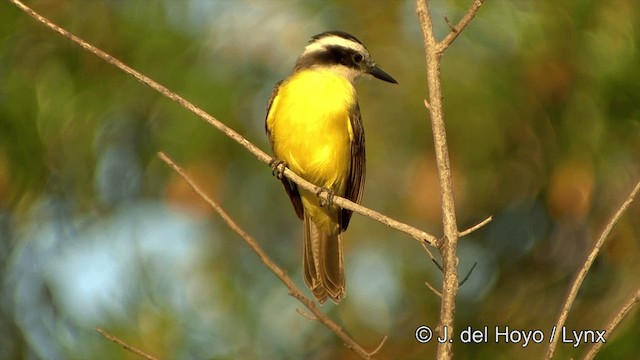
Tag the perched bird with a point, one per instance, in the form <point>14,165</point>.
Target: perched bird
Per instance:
<point>314,127</point>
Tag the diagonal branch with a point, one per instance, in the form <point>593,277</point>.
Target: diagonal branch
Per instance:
<point>577,282</point>
<point>476,226</point>
<point>622,313</point>
<point>433,289</point>
<point>264,258</point>
<point>456,30</point>
<point>124,344</point>
<point>417,234</point>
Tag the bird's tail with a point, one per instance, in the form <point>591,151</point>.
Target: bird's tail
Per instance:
<point>322,262</point>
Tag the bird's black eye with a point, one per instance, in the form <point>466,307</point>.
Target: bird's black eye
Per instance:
<point>357,58</point>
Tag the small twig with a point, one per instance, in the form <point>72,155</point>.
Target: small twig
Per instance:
<point>476,227</point>
<point>435,291</point>
<point>446,19</point>
<point>426,104</point>
<point>438,265</point>
<point>375,351</point>
<point>125,345</point>
<point>259,154</point>
<point>577,282</point>
<point>306,315</point>
<point>468,274</point>
<point>426,248</point>
<point>266,260</point>
<point>456,30</point>
<point>620,315</point>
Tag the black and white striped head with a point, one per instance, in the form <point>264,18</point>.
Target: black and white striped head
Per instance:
<point>342,53</point>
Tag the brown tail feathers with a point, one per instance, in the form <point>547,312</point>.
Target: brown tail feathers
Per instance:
<point>323,263</point>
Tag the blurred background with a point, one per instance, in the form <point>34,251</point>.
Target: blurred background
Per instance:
<point>542,106</point>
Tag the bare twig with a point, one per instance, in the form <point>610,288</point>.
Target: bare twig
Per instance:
<point>435,291</point>
<point>455,30</point>
<point>449,248</point>
<point>421,236</point>
<point>375,351</point>
<point>577,282</point>
<point>306,315</point>
<point>476,227</point>
<point>449,24</point>
<point>264,258</point>
<point>124,344</point>
<point>417,234</point>
<point>426,248</point>
<point>438,265</point>
<point>433,53</point>
<point>620,315</point>
<point>466,277</point>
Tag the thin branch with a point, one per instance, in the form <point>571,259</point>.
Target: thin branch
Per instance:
<point>417,234</point>
<point>124,344</point>
<point>456,30</point>
<point>433,54</point>
<point>426,248</point>
<point>264,258</point>
<point>476,227</point>
<point>622,313</point>
<point>449,24</point>
<point>577,282</point>
<point>466,277</point>
<point>435,291</point>
<point>306,315</point>
<point>438,265</point>
<point>375,351</point>
<point>262,156</point>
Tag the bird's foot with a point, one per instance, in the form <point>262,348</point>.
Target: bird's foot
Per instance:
<point>277,168</point>
<point>329,201</point>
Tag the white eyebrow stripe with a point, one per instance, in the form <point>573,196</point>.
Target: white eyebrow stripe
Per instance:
<point>320,44</point>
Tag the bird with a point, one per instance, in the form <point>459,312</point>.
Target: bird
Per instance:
<point>315,129</point>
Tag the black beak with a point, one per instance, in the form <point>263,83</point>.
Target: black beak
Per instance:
<point>380,74</point>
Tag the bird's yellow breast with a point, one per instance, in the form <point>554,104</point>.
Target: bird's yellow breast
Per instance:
<point>310,126</point>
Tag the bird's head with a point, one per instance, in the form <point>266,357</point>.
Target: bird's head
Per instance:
<point>342,53</point>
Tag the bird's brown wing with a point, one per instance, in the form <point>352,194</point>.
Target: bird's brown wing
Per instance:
<point>289,187</point>
<point>355,181</point>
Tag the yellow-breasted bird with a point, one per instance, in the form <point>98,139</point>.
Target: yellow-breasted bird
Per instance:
<point>314,126</point>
